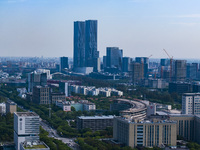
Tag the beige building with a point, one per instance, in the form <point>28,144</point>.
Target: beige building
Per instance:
<point>11,107</point>
<point>185,125</point>
<point>144,133</point>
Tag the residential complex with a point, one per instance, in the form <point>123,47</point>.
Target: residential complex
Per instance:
<point>91,90</point>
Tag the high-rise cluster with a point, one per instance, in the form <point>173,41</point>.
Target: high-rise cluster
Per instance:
<point>85,45</point>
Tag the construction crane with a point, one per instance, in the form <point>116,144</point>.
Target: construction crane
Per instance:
<point>149,56</point>
<point>171,60</point>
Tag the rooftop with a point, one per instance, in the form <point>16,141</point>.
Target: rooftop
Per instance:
<point>96,117</point>
<point>34,145</point>
<point>25,114</point>
<point>149,121</point>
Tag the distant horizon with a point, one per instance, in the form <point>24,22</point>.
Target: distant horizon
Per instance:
<point>139,27</point>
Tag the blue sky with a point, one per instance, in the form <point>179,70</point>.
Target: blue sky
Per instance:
<point>139,27</point>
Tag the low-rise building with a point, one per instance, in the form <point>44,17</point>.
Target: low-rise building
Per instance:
<point>57,97</point>
<point>94,122</point>
<point>33,145</point>
<point>147,133</point>
<point>11,107</point>
<point>65,105</point>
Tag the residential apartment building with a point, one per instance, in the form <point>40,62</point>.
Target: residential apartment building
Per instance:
<point>191,103</point>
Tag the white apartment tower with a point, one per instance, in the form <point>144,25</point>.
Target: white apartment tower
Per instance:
<point>26,127</point>
<point>191,103</point>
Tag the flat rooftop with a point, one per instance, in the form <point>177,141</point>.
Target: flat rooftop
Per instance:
<point>25,114</point>
<point>34,145</point>
<point>149,121</point>
<point>96,117</point>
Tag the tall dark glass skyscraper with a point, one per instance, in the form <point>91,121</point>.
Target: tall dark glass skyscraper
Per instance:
<point>91,52</point>
<point>79,44</point>
<point>85,44</point>
<point>63,63</point>
<point>114,57</point>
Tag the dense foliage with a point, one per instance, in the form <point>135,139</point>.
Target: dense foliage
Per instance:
<point>95,144</point>
<point>193,146</point>
<point>6,128</point>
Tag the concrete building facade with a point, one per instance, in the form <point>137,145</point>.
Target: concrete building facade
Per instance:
<point>94,122</point>
<point>11,107</point>
<point>191,103</point>
<point>26,127</point>
<point>144,133</point>
<point>41,95</point>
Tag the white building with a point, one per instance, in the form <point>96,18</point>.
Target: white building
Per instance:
<point>26,127</point>
<point>49,76</point>
<point>65,105</point>
<point>191,103</point>
<point>105,93</point>
<point>2,108</point>
<point>91,90</point>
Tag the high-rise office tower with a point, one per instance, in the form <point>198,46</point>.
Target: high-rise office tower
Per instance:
<point>126,64</point>
<point>180,70</point>
<point>41,95</point>
<point>63,63</point>
<point>192,70</point>
<point>26,127</point>
<point>36,78</point>
<point>145,62</point>
<point>104,61</point>
<point>91,52</point>
<point>79,44</point>
<point>137,72</point>
<point>114,57</point>
<point>165,62</point>
<point>85,44</point>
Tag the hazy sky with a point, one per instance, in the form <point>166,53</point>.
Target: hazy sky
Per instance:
<point>139,27</point>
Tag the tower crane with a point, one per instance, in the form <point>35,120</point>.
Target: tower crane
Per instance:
<point>171,59</point>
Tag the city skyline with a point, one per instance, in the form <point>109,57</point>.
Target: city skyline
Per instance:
<point>139,27</point>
